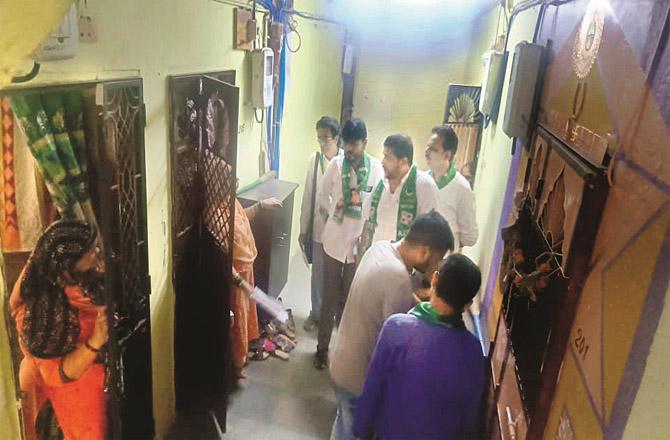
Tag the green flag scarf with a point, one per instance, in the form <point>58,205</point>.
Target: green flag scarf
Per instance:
<point>407,206</point>
<point>446,178</point>
<point>362,176</point>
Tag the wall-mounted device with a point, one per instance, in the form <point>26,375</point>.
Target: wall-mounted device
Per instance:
<point>520,108</point>
<point>63,41</point>
<point>262,65</point>
<point>494,74</point>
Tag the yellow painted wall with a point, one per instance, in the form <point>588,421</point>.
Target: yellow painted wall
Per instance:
<point>314,90</point>
<point>157,38</point>
<point>392,96</point>
<point>495,158</point>
<point>648,418</point>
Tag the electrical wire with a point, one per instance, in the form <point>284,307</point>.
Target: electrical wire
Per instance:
<point>292,27</point>
<point>259,120</point>
<point>313,17</point>
<point>236,3</point>
<point>288,46</point>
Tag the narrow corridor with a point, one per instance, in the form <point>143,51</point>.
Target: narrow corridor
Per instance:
<point>282,400</point>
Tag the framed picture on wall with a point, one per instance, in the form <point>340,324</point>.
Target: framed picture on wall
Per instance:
<point>461,112</point>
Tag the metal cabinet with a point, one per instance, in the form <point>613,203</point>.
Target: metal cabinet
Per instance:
<point>272,232</point>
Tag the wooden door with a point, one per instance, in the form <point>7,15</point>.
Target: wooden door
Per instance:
<point>546,258</point>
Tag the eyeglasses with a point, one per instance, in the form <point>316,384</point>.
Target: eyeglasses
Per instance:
<point>324,138</point>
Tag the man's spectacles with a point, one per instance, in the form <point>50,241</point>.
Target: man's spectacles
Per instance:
<point>324,138</point>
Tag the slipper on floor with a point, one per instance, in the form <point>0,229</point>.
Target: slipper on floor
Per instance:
<point>284,343</point>
<point>269,346</point>
<point>259,354</point>
<point>281,354</point>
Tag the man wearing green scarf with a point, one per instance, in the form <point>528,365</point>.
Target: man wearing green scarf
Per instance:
<point>456,201</point>
<point>427,376</point>
<point>381,287</point>
<point>403,194</point>
<point>348,181</point>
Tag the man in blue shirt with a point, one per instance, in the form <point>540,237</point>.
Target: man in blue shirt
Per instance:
<point>427,375</point>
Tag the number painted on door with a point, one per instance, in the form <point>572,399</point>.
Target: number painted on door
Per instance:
<point>580,344</point>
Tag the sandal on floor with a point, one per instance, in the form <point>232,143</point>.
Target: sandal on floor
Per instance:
<point>259,354</point>
<point>269,346</point>
<point>284,343</point>
<point>281,354</point>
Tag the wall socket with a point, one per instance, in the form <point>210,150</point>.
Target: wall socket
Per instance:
<point>88,30</point>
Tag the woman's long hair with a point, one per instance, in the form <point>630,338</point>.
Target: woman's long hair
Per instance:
<point>51,325</point>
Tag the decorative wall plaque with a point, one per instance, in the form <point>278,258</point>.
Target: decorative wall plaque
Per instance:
<point>588,38</point>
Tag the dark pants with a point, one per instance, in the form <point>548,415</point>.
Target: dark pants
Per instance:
<point>337,278</point>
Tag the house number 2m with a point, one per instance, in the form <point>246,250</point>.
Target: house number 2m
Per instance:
<point>580,344</point>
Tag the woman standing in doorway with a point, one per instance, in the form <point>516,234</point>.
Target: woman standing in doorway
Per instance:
<point>57,304</point>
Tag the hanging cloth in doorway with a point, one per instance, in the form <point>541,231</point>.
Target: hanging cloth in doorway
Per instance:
<point>353,203</point>
<point>407,207</point>
<point>53,125</point>
<point>21,187</point>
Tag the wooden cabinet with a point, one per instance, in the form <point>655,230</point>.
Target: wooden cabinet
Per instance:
<point>272,232</point>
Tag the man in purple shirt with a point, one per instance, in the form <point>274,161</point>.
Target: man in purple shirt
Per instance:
<point>427,374</point>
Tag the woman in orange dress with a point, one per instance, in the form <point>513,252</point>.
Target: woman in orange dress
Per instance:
<point>245,322</point>
<point>62,326</point>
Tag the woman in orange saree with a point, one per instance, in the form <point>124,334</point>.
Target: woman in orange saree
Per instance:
<point>62,327</point>
<point>245,322</point>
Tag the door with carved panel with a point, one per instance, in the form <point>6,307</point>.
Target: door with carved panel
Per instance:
<point>204,146</point>
<point>123,217</point>
<point>547,251</point>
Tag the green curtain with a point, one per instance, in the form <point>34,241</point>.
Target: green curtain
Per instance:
<point>54,126</point>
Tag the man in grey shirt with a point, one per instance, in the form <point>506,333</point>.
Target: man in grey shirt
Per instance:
<point>381,287</point>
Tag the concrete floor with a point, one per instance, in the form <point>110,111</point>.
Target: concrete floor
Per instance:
<point>285,399</point>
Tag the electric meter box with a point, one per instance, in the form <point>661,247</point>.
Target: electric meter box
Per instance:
<point>262,65</point>
<point>525,74</point>
<point>63,41</point>
<point>494,73</point>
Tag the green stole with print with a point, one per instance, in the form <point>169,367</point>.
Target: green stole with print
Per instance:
<point>447,177</point>
<point>362,176</point>
<point>406,206</point>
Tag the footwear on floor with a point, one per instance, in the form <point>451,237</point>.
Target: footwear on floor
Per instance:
<point>310,325</point>
<point>321,359</point>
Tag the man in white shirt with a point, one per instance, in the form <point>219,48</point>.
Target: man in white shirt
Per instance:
<point>312,216</point>
<point>403,194</point>
<point>348,182</point>
<point>456,201</point>
<point>382,286</point>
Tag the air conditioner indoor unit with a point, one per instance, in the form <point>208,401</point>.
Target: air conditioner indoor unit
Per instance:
<point>521,105</point>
